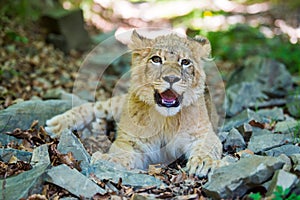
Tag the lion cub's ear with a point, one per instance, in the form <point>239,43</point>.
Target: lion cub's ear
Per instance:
<point>139,42</point>
<point>205,45</point>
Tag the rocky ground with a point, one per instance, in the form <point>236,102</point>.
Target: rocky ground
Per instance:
<point>260,134</point>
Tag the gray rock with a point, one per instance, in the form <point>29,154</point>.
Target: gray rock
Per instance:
<point>288,163</point>
<point>293,104</point>
<point>262,116</point>
<point>296,163</point>
<point>21,115</point>
<point>234,180</point>
<point>241,95</point>
<point>283,179</point>
<point>288,126</point>
<point>272,76</point>
<point>274,114</point>
<point>17,187</point>
<point>223,135</point>
<point>68,198</point>
<point>288,150</point>
<point>7,153</point>
<point>296,189</point>
<point>73,181</point>
<point>258,78</point>
<point>267,103</point>
<point>258,131</point>
<point>66,28</point>
<point>40,156</point>
<point>244,117</point>
<point>61,94</point>
<point>70,143</point>
<point>267,141</point>
<point>246,130</point>
<point>234,141</point>
<point>112,171</point>
<point>239,120</point>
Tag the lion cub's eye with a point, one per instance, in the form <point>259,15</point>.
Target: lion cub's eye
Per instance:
<point>185,62</point>
<point>156,59</point>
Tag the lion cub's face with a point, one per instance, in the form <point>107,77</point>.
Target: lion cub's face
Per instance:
<point>167,72</point>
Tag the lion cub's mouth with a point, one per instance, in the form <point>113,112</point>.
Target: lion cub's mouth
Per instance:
<point>168,98</point>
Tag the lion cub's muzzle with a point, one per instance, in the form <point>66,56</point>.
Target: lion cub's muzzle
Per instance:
<point>168,98</point>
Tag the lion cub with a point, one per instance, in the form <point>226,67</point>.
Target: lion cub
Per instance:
<point>164,115</point>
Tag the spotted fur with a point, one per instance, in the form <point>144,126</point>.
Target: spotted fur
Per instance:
<point>164,114</point>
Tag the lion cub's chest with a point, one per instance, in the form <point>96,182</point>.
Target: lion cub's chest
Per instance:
<point>159,138</point>
<point>166,143</point>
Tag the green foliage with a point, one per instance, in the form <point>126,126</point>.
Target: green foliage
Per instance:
<point>296,132</point>
<point>12,35</point>
<point>23,10</point>
<point>255,196</point>
<point>281,194</point>
<point>241,41</point>
<point>278,194</point>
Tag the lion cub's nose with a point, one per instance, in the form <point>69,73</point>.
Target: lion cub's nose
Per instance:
<point>171,79</point>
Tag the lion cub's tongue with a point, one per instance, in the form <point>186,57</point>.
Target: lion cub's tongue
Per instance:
<point>168,95</point>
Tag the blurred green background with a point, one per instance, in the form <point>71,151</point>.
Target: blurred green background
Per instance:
<point>237,29</point>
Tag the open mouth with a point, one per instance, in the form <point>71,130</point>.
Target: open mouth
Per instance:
<point>168,98</point>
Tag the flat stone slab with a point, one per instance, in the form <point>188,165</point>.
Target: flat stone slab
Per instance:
<point>70,143</point>
<point>111,171</point>
<point>288,126</point>
<point>7,153</point>
<point>236,179</point>
<point>18,186</point>
<point>73,181</point>
<point>265,142</point>
<point>288,149</point>
<point>21,115</point>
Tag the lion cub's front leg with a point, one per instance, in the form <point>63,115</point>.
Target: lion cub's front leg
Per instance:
<point>80,116</point>
<point>123,152</point>
<point>73,119</point>
<point>204,155</point>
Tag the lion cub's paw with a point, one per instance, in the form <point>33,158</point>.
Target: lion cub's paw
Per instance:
<point>112,158</point>
<point>59,123</point>
<point>56,124</point>
<point>201,167</point>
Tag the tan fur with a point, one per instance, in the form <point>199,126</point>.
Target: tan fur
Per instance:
<point>149,133</point>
